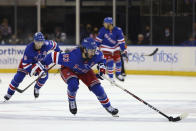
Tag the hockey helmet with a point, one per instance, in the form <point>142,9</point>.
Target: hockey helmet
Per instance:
<point>89,43</point>
<point>90,46</point>
<point>38,36</point>
<point>108,20</point>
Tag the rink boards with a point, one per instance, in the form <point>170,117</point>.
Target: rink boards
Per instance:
<point>168,60</point>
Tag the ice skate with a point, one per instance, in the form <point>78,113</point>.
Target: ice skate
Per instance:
<point>36,92</point>
<point>120,77</point>
<point>73,107</point>
<point>7,97</point>
<point>113,111</point>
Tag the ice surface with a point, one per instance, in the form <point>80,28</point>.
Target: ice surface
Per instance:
<point>171,95</point>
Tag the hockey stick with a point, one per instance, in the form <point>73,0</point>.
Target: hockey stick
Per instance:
<point>170,118</point>
<point>22,90</point>
<point>151,54</point>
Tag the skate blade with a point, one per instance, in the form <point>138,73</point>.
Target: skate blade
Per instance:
<point>115,115</point>
<point>4,101</point>
<point>183,116</point>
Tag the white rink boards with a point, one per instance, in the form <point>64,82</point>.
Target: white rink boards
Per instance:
<point>168,60</point>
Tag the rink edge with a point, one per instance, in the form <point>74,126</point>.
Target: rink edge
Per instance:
<point>130,72</point>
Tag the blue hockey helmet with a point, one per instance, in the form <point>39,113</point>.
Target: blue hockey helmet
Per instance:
<point>89,43</point>
<point>108,20</point>
<point>38,36</point>
<point>89,47</point>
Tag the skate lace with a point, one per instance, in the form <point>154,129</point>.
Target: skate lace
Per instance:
<point>72,104</point>
<point>110,108</point>
<point>36,91</point>
<point>8,95</point>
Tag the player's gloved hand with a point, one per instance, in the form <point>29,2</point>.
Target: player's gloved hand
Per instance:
<point>125,54</point>
<point>38,69</point>
<point>101,71</point>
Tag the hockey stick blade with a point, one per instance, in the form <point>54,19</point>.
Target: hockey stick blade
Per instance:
<point>154,52</point>
<point>21,91</point>
<point>182,116</point>
<point>170,118</point>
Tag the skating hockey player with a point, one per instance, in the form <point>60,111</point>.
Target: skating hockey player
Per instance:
<point>76,65</point>
<point>112,43</point>
<point>30,63</point>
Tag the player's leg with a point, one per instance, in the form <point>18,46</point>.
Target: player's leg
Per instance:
<point>18,78</point>
<point>94,85</point>
<point>118,68</point>
<point>71,92</point>
<point>109,64</point>
<point>72,81</point>
<point>103,99</point>
<point>39,85</point>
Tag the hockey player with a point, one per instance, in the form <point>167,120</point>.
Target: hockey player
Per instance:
<point>111,42</point>
<point>30,64</point>
<point>76,65</point>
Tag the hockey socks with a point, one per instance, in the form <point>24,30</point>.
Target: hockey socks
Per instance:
<point>18,78</point>
<point>71,92</point>
<point>72,102</point>
<point>101,95</point>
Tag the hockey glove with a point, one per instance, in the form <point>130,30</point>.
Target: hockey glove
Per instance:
<point>124,54</point>
<point>101,69</point>
<point>38,69</point>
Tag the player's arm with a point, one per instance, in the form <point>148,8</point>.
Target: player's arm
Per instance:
<point>29,65</point>
<point>59,58</point>
<point>53,57</point>
<point>101,61</point>
<point>27,60</point>
<point>121,42</point>
<point>100,57</point>
<point>53,46</point>
<point>99,37</point>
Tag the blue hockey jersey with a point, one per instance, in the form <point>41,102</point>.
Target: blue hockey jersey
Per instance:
<point>32,56</point>
<point>73,60</point>
<point>111,40</point>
